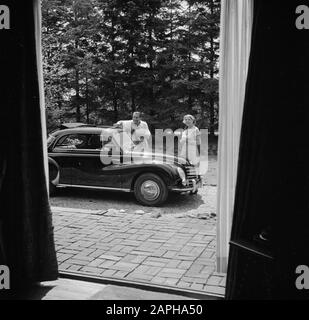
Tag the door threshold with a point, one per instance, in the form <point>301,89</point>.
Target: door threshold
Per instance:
<point>141,285</point>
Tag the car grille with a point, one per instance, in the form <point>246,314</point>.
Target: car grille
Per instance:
<point>191,173</point>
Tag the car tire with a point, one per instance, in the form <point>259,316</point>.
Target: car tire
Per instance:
<point>150,190</point>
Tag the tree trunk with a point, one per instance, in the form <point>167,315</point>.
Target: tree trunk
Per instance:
<point>212,116</point>
<point>212,74</point>
<point>189,60</point>
<point>115,103</point>
<point>150,61</point>
<point>77,96</point>
<point>87,100</point>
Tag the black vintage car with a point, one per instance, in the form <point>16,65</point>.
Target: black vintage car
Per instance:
<point>94,157</point>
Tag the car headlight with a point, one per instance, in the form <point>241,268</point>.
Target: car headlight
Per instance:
<point>182,175</point>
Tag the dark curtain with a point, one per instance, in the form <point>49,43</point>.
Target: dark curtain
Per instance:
<point>270,232</point>
<point>26,234</point>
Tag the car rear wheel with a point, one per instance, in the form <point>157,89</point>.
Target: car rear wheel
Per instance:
<point>150,190</point>
<point>53,178</point>
<point>52,189</point>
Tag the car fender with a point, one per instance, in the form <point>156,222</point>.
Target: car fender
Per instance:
<point>53,176</point>
<point>165,171</point>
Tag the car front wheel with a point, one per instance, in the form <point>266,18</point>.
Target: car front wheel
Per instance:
<point>150,190</point>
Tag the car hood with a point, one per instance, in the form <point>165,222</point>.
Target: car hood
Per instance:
<point>158,158</point>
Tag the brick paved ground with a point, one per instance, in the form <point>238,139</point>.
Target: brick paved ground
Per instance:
<point>175,250</point>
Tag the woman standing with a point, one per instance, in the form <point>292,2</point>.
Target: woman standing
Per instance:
<point>191,141</point>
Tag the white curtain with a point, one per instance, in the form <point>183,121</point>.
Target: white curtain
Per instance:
<point>235,41</point>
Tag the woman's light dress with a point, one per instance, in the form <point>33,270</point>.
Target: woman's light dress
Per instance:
<point>189,140</point>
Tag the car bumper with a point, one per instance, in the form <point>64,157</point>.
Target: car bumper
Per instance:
<point>196,184</point>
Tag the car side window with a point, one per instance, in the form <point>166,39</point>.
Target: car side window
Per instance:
<point>72,141</point>
<point>79,142</point>
<point>94,142</point>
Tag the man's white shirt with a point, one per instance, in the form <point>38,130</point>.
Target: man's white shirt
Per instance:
<point>136,131</point>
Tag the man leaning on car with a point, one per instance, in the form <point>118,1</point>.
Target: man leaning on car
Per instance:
<point>138,131</point>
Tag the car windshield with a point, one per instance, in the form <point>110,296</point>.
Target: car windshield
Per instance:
<point>51,138</point>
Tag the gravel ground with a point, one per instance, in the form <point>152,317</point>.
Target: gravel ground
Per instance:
<point>202,203</point>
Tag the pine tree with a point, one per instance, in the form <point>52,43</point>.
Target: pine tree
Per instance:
<point>104,59</point>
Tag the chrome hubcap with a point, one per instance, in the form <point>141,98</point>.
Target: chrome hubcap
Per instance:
<point>150,190</point>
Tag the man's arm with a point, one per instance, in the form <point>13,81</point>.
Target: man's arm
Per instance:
<point>147,133</point>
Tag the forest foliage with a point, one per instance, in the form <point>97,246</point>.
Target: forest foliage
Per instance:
<point>104,59</point>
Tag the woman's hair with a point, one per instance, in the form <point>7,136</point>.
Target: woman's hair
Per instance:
<point>189,116</point>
